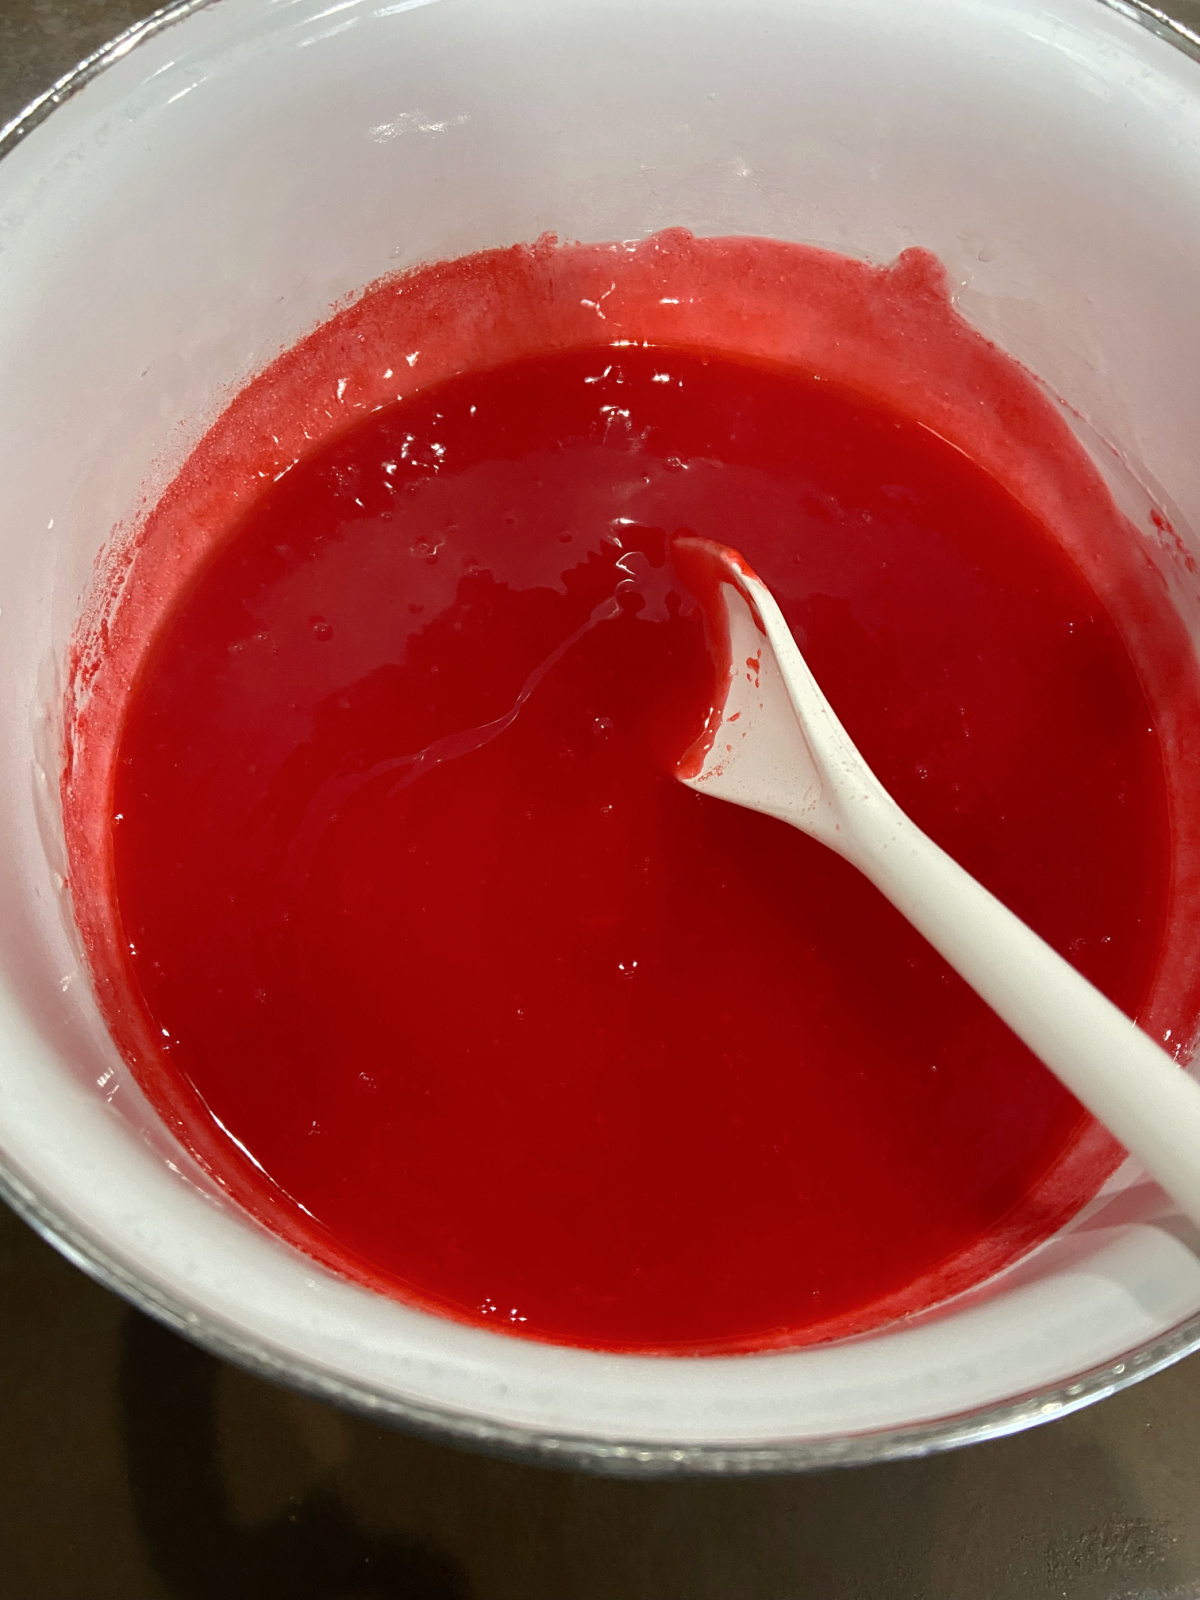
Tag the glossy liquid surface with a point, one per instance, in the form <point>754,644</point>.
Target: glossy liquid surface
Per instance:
<point>511,1022</point>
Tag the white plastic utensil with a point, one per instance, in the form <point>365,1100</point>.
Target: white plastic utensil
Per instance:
<point>776,746</point>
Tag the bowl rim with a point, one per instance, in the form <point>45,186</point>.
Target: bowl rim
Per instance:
<point>624,1458</point>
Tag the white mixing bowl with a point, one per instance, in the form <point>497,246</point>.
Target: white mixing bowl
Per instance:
<point>202,194</point>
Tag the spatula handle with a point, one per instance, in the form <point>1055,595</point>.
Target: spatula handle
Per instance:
<point>1126,1080</point>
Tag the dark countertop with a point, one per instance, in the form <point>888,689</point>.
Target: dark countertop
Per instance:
<point>135,1467</point>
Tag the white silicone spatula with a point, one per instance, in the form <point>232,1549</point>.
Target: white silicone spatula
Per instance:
<point>775,746</point>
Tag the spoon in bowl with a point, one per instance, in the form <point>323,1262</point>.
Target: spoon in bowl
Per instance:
<point>774,745</point>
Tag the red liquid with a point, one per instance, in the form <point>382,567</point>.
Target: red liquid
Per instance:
<point>512,1022</point>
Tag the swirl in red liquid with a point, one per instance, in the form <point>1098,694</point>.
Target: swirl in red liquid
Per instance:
<point>402,896</point>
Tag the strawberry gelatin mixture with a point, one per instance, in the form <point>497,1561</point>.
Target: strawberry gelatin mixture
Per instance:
<point>395,906</point>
